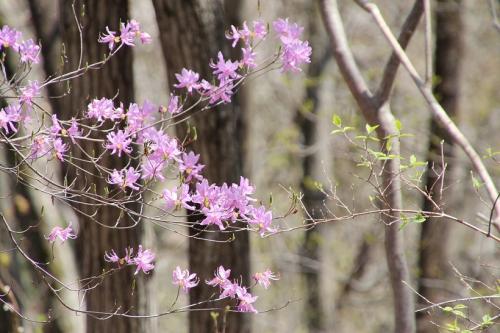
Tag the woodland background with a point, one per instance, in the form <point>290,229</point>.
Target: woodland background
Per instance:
<point>287,119</point>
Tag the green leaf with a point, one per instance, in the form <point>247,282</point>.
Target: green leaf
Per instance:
<point>388,145</point>
<point>475,182</point>
<point>404,221</point>
<point>370,129</point>
<point>336,120</point>
<point>398,124</point>
<point>418,218</point>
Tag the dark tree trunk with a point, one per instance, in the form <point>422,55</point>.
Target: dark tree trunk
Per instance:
<point>434,267</point>
<point>313,199</point>
<point>191,33</point>
<point>93,240</point>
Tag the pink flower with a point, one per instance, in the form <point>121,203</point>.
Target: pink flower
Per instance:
<point>221,277</point>
<point>190,167</point>
<point>125,178</point>
<point>110,38</point>
<point>183,279</point>
<point>9,37</point>
<point>262,219</point>
<point>287,31</point>
<point>245,300</point>
<point>178,198</point>
<point>173,105</point>
<point>153,169</point>
<point>39,147</point>
<point>225,70</point>
<point>29,92</point>
<point>9,116</point>
<point>111,257</point>
<point>264,278</point>
<point>295,53</point>
<point>143,260</point>
<point>259,29</point>
<point>102,109</point>
<point>145,38</point>
<point>73,131</point>
<point>62,234</point>
<point>119,142</point>
<point>234,35</point>
<point>128,33</point>
<point>248,57</point>
<point>59,149</point>
<point>187,79</point>
<point>56,128</point>
<point>29,51</point>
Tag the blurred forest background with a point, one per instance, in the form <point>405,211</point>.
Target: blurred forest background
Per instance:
<point>333,278</point>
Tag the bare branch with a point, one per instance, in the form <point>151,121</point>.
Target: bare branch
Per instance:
<point>437,110</point>
<point>391,68</point>
<point>345,60</point>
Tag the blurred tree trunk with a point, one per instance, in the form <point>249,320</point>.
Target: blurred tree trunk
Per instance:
<point>191,33</point>
<point>313,198</point>
<point>433,263</point>
<point>45,19</point>
<point>116,77</point>
<point>27,218</point>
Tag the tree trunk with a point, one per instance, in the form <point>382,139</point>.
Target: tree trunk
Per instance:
<point>115,291</point>
<point>433,263</point>
<point>313,199</point>
<point>191,33</point>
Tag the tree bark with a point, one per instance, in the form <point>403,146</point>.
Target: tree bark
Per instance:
<point>191,33</point>
<point>115,291</point>
<point>313,198</point>
<point>433,262</point>
<point>390,190</point>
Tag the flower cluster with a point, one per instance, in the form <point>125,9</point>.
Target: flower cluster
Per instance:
<point>28,51</point>
<point>128,33</point>
<point>234,290</point>
<point>143,260</point>
<point>295,51</point>
<point>62,233</point>
<point>136,134</point>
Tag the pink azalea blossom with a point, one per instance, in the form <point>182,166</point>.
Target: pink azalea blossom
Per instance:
<point>59,149</point>
<point>9,37</point>
<point>184,279</point>
<point>246,301</point>
<point>153,169</point>
<point>190,167</point>
<point>39,146</point>
<point>119,142</point>
<point>62,233</point>
<point>248,58</point>
<point>225,69</point>
<point>259,30</point>
<point>178,198</point>
<point>262,219</point>
<point>29,51</point>
<point>29,92</point>
<point>73,131</point>
<point>56,128</point>
<point>143,260</point>
<point>173,105</point>
<point>187,79</point>
<point>221,277</point>
<point>9,116</point>
<point>111,256</point>
<point>110,38</point>
<point>296,53</point>
<point>101,109</point>
<point>233,35</point>
<point>125,178</point>
<point>264,278</point>
<point>145,38</point>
